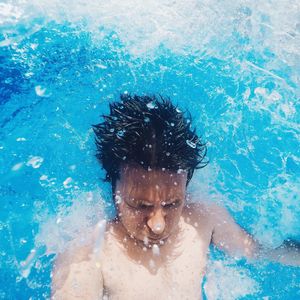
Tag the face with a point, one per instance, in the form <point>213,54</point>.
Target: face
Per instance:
<point>150,202</point>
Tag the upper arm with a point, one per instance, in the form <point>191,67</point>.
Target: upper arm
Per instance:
<point>229,236</point>
<point>77,276</point>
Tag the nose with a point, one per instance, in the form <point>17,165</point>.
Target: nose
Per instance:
<point>156,222</point>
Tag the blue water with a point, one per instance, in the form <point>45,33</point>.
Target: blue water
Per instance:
<point>235,67</point>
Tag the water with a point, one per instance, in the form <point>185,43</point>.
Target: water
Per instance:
<point>234,66</point>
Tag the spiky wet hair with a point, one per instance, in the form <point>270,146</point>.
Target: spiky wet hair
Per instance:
<point>150,132</point>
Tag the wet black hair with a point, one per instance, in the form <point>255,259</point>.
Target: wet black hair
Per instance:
<point>148,131</point>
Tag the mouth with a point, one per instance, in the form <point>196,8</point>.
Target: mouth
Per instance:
<point>154,239</point>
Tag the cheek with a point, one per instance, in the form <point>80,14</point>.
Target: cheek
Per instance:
<point>132,218</point>
<point>173,216</point>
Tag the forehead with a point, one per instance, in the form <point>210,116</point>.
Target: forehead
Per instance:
<point>142,178</point>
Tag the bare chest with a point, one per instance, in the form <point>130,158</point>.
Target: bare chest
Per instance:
<point>178,277</point>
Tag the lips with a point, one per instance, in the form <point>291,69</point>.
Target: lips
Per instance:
<point>156,239</point>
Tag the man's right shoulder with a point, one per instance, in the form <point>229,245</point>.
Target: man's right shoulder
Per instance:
<point>79,266</point>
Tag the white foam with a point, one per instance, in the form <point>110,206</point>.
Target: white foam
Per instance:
<point>204,27</point>
<point>226,281</point>
<point>78,224</point>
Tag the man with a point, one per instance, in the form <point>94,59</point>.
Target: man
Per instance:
<point>156,247</point>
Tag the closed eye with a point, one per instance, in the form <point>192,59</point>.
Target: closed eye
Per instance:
<point>144,206</point>
<point>173,204</point>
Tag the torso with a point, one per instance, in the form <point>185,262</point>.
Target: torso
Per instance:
<point>176,275</point>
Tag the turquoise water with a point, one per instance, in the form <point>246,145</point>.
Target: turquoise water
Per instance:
<point>235,67</point>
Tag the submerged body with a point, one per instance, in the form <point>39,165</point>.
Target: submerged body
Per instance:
<point>128,269</point>
<point>157,246</point>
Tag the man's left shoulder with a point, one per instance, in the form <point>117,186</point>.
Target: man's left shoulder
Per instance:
<point>199,214</point>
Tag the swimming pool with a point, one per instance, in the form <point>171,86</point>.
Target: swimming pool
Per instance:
<point>234,66</point>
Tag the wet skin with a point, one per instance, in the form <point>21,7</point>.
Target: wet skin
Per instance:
<point>150,203</point>
<point>157,246</point>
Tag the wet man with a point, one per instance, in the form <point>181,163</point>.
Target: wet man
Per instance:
<point>157,246</point>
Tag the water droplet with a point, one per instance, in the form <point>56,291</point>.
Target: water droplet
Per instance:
<point>67,182</point>
<point>35,162</point>
<point>172,124</point>
<point>191,144</point>
<point>20,139</point>
<point>44,177</point>
<point>151,264</point>
<point>151,105</point>
<point>72,167</point>
<point>118,199</point>
<point>41,91</point>
<point>23,241</point>
<point>145,240</point>
<point>147,119</point>
<point>17,167</point>
<point>168,153</point>
<point>100,66</point>
<point>155,250</point>
<point>121,133</point>
<point>111,130</point>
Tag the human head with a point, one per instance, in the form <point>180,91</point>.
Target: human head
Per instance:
<point>149,152</point>
<point>150,132</point>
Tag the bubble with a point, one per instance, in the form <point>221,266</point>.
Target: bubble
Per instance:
<point>151,264</point>
<point>67,182</point>
<point>100,66</point>
<point>158,227</point>
<point>191,144</point>
<point>118,199</point>
<point>99,234</point>
<point>72,167</point>
<point>111,130</point>
<point>168,153</point>
<point>35,162</point>
<point>155,250</point>
<point>17,167</point>
<point>41,91</point>
<point>151,105</point>
<point>20,139</point>
<point>121,133</point>
<point>147,119</point>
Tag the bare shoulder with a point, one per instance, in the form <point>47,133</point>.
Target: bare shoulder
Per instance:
<point>76,272</point>
<point>73,255</point>
<point>202,215</point>
<point>204,209</point>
